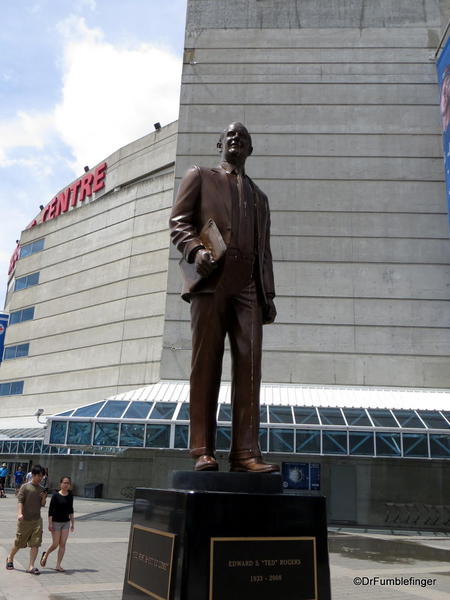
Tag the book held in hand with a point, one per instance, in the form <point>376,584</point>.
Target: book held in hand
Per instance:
<point>213,241</point>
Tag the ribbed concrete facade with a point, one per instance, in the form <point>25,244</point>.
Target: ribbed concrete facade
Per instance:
<point>342,101</point>
<point>99,305</point>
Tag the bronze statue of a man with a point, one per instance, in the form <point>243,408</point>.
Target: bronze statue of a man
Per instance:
<point>233,296</point>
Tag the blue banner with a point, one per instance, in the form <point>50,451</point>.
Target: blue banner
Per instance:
<point>314,476</point>
<point>443,70</point>
<point>3,325</point>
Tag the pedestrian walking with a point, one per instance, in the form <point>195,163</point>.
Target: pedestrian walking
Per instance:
<point>44,482</point>
<point>30,499</point>
<point>60,519</point>
<point>19,476</point>
<point>3,476</point>
<point>29,475</point>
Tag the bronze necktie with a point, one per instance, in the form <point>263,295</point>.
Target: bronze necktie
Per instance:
<point>241,194</point>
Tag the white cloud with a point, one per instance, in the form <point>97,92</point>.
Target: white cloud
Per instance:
<point>89,4</point>
<point>112,95</point>
<point>25,130</point>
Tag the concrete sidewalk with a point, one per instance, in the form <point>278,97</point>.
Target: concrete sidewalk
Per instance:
<point>96,555</point>
<point>94,560</point>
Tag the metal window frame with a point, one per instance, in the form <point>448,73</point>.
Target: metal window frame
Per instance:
<point>319,431</point>
<point>330,431</point>
<point>432,435</point>
<point>367,432</point>
<point>282,406</point>
<point>32,245</point>
<point>15,348</point>
<point>132,423</point>
<point>431,411</point>
<point>422,435</point>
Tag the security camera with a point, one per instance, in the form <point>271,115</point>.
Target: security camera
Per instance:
<point>38,412</point>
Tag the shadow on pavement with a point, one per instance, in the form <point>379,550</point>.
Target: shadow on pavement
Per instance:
<point>385,551</point>
<point>122,513</point>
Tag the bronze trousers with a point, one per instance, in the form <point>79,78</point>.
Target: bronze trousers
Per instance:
<point>212,317</point>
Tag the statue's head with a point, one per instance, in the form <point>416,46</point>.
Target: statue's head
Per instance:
<point>235,143</point>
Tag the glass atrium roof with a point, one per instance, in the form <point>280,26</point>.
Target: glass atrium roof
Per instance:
<point>292,395</point>
<point>36,433</point>
<point>136,411</point>
<point>294,420</point>
<point>25,441</point>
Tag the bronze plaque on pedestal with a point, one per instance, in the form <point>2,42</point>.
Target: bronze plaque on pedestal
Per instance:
<point>150,561</point>
<point>263,568</point>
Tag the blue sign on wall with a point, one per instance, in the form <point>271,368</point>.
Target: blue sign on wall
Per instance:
<point>3,325</point>
<point>301,476</point>
<point>443,70</point>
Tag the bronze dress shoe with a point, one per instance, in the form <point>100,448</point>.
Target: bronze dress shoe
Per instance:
<point>253,465</point>
<point>206,462</point>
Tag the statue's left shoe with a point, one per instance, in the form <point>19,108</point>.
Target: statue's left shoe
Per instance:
<point>253,465</point>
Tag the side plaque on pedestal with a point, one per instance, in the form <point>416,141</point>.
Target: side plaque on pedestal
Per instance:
<point>263,568</point>
<point>150,561</point>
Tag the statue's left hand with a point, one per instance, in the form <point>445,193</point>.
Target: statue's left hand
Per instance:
<point>270,312</point>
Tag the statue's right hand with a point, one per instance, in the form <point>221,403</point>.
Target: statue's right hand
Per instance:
<point>204,262</point>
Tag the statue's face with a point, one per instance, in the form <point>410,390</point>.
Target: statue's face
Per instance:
<point>235,144</point>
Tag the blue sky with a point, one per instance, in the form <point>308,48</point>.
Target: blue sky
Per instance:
<point>78,79</point>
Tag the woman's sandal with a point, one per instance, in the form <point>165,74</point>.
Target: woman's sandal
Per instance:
<point>59,569</point>
<point>9,565</point>
<point>43,560</point>
<point>34,571</point>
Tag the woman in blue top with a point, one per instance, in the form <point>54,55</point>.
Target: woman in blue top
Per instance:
<point>60,518</point>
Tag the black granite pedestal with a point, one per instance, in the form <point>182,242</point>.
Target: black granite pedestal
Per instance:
<point>216,545</point>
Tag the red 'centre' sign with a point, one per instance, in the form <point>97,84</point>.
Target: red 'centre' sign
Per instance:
<point>77,192</point>
<point>14,259</point>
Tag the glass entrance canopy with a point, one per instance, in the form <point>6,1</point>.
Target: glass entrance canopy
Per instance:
<point>25,441</point>
<point>294,420</point>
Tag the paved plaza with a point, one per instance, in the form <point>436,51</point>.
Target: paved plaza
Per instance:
<point>96,554</point>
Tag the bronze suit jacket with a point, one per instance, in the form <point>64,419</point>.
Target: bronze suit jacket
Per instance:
<point>205,194</point>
